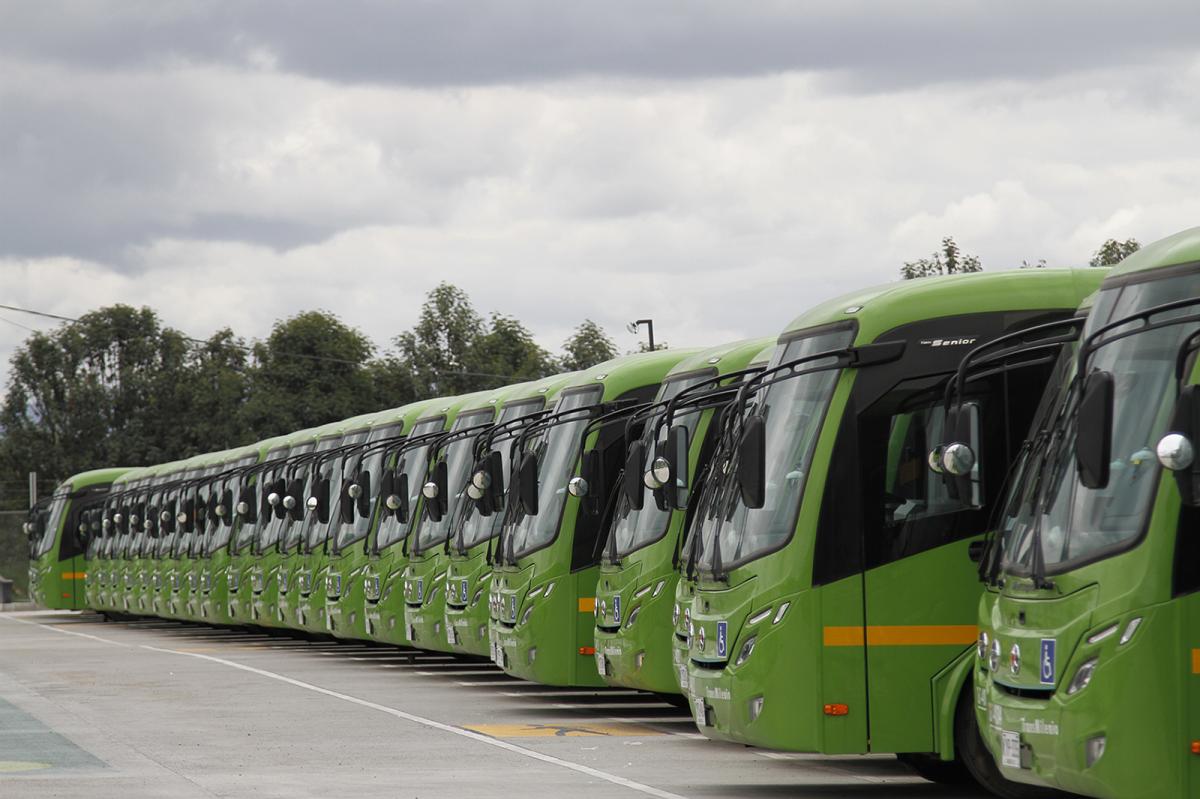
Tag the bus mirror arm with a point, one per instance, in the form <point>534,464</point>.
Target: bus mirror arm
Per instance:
<point>1176,450</point>
<point>1093,438</point>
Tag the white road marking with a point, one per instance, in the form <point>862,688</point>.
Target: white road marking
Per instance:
<point>648,790</point>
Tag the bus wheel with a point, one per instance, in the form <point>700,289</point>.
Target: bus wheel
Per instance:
<point>974,755</point>
<point>934,769</point>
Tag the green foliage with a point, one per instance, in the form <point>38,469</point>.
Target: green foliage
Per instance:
<point>1112,252</point>
<point>950,260</point>
<point>119,388</point>
<point>586,347</point>
<point>311,370</point>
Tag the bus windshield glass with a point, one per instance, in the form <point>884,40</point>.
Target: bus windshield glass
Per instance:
<point>558,450</point>
<point>458,455</point>
<point>52,521</point>
<point>637,528</point>
<point>793,412</point>
<point>266,529</point>
<point>477,528</point>
<point>372,464</point>
<point>412,462</point>
<point>331,467</point>
<point>1075,523</point>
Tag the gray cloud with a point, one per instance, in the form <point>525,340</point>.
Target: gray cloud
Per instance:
<point>870,44</point>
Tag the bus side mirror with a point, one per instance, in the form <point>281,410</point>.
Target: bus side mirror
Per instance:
<point>394,490</point>
<point>318,503</point>
<point>631,480</point>
<point>1176,450</point>
<point>527,484</point>
<point>495,469</point>
<point>346,503</point>
<point>227,507</point>
<point>434,492</point>
<point>362,502</point>
<point>752,462</point>
<point>588,487</point>
<point>247,505</point>
<point>676,454</point>
<point>1093,431</point>
<point>293,500</point>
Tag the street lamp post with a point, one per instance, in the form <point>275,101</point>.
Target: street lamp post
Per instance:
<point>633,327</point>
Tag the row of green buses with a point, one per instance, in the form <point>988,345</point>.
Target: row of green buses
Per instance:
<point>950,519</point>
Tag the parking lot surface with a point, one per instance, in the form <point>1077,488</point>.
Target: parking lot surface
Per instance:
<point>150,708</point>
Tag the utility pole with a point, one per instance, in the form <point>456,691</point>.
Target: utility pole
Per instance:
<point>32,489</point>
<point>633,327</point>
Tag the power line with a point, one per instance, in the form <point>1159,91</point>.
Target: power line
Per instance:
<point>300,355</point>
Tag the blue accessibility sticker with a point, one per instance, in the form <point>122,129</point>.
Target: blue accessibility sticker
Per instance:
<point>722,638</point>
<point>1046,662</point>
<point>617,609</point>
<point>463,588</point>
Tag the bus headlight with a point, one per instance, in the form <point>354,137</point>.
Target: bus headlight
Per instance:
<point>747,648</point>
<point>1083,676</point>
<point>994,656</point>
<point>675,615</point>
<point>981,646</point>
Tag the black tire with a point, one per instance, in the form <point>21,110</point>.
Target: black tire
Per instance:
<point>973,753</point>
<point>934,769</point>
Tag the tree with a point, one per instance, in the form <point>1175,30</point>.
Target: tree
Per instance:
<point>313,369</point>
<point>113,387</point>
<point>1113,252</point>
<point>586,347</point>
<point>505,353</point>
<point>950,260</point>
<point>437,350</point>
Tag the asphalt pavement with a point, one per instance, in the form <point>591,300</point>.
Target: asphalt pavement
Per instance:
<point>149,708</point>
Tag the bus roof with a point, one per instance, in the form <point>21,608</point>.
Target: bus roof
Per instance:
<point>1180,248</point>
<point>628,372</point>
<point>883,308</point>
<point>96,477</point>
<point>724,358</point>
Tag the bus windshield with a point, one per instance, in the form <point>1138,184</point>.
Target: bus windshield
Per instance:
<point>270,526</point>
<point>1075,523</point>
<point>636,528</point>
<point>332,468</point>
<point>477,528</point>
<point>52,521</point>
<point>458,466</point>
<point>413,462</point>
<point>557,450</point>
<point>793,412</point>
<point>372,464</point>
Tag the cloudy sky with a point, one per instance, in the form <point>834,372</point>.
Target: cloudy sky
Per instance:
<point>716,166</point>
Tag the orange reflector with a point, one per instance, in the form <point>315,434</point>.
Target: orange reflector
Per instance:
<point>66,596</point>
<point>1196,747</point>
<point>587,604</point>
<point>837,710</point>
<point>587,650</point>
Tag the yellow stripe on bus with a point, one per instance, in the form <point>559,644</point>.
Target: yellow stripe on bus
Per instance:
<point>1196,661</point>
<point>587,604</point>
<point>903,635</point>
<point>74,575</point>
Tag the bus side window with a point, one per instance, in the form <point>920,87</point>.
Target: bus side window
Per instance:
<point>912,491</point>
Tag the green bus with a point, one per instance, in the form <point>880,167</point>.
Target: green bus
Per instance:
<point>444,498</point>
<point>835,606</point>
<point>252,545</point>
<point>322,507</point>
<point>226,493</point>
<point>639,567</point>
<point>278,533</point>
<point>542,603</point>
<point>59,536</point>
<point>1088,659</point>
<point>685,578</point>
<point>387,590</point>
<point>360,506</point>
<point>474,529</point>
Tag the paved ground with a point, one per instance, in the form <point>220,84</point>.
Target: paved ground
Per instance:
<point>155,709</point>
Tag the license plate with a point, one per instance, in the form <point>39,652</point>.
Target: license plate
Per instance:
<point>683,677</point>
<point>698,711</point>
<point>1011,749</point>
<point>410,632</point>
<point>451,638</point>
<point>600,665</point>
